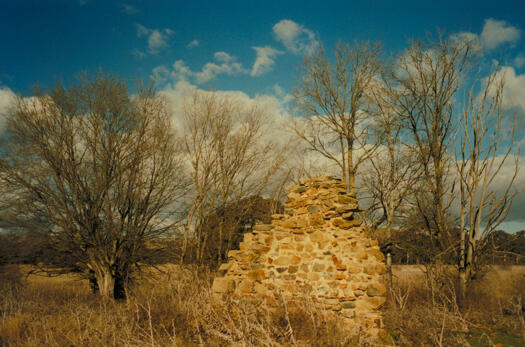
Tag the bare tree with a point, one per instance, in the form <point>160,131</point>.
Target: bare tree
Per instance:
<point>429,76</point>
<point>391,176</point>
<point>231,156</point>
<point>95,171</point>
<point>480,158</point>
<point>333,98</point>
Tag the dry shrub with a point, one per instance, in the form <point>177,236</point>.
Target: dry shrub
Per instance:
<point>171,307</point>
<point>421,307</point>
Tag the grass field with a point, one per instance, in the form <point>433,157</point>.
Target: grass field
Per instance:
<point>174,307</point>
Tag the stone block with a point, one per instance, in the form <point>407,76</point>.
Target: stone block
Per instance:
<point>318,236</point>
<point>376,302</point>
<point>223,285</point>
<point>380,269</point>
<point>263,227</point>
<point>287,260</point>
<point>246,286</point>
<point>376,253</point>
<point>376,289</point>
<point>256,275</point>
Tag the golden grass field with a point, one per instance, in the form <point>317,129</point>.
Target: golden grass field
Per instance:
<point>175,308</point>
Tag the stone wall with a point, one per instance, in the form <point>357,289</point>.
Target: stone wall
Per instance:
<point>316,248</point>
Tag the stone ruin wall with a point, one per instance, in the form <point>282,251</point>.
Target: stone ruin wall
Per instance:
<point>316,248</point>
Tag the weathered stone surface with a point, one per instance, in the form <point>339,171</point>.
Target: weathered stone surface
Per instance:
<point>287,260</point>
<point>246,286</point>
<point>317,246</point>
<point>345,224</point>
<point>223,285</point>
<point>376,289</point>
<point>256,275</point>
<point>348,304</point>
<point>374,252</point>
<point>376,301</point>
<point>263,227</point>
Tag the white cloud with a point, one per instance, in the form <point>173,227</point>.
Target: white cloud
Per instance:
<point>498,32</point>
<point>192,44</point>
<point>264,60</point>
<point>157,38</point>
<point>295,37</point>
<point>160,73</point>
<point>494,34</point>
<point>223,57</point>
<point>281,94</point>
<point>274,108</point>
<point>211,70</point>
<point>468,37</point>
<point>129,9</point>
<point>501,181</point>
<point>225,64</point>
<point>519,61</point>
<point>514,88</point>
<point>7,97</point>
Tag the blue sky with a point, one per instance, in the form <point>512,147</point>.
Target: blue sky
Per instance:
<point>44,39</point>
<point>248,47</point>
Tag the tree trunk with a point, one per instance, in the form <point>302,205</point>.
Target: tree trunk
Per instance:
<point>93,285</point>
<point>389,269</point>
<point>106,283</point>
<point>119,291</point>
<point>350,168</point>
<point>462,288</point>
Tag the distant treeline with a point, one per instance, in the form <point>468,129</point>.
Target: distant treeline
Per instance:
<point>413,247</point>
<point>406,247</point>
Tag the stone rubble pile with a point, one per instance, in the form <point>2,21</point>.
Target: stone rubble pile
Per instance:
<point>316,248</point>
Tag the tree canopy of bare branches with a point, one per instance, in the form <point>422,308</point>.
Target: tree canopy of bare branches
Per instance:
<point>480,158</point>
<point>429,74</point>
<point>391,175</point>
<point>94,170</point>
<point>231,157</point>
<point>333,98</point>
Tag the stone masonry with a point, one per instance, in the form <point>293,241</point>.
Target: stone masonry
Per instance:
<point>316,248</point>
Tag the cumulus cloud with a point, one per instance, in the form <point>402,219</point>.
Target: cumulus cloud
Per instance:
<point>498,32</point>
<point>295,37</point>
<point>264,61</point>
<point>7,97</point>
<point>129,9</point>
<point>468,37</point>
<point>275,110</point>
<point>494,34</point>
<point>224,64</point>
<point>501,181</point>
<point>192,44</point>
<point>157,39</point>
<point>223,57</point>
<point>514,88</point>
<point>227,65</point>
<point>519,61</point>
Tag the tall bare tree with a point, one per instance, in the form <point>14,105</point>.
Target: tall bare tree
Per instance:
<point>480,158</point>
<point>429,74</point>
<point>96,172</point>
<point>333,99</point>
<point>231,158</point>
<point>392,174</point>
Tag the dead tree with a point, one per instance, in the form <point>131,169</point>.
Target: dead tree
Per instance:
<point>333,100</point>
<point>482,153</point>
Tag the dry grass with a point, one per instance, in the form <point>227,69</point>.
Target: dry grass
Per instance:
<point>173,308</point>
<point>422,309</point>
<point>176,308</point>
